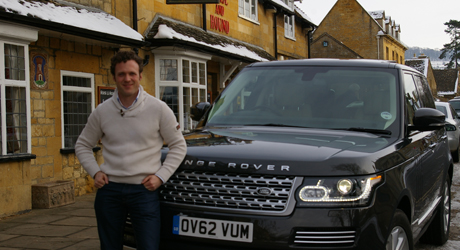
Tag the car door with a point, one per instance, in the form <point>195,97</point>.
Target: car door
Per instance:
<point>423,145</point>
<point>435,142</point>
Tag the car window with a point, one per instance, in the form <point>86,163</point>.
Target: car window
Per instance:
<point>424,91</point>
<point>411,97</point>
<point>319,97</point>
<point>443,109</point>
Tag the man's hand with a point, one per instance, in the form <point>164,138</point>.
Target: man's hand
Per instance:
<point>152,182</point>
<point>100,179</point>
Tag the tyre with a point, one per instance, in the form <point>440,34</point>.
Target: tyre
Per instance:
<point>438,231</point>
<point>400,237</point>
<point>455,156</point>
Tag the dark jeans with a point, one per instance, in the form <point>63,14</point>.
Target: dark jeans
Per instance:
<point>114,201</point>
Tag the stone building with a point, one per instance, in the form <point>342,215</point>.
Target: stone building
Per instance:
<point>447,81</point>
<point>350,31</point>
<point>56,70</point>
<point>422,63</point>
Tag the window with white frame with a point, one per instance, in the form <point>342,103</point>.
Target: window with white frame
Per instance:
<point>289,20</point>
<point>181,84</point>
<point>248,9</point>
<point>289,26</point>
<point>289,3</point>
<point>14,99</point>
<point>77,95</point>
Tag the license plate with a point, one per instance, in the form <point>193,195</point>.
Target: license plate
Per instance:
<point>212,229</point>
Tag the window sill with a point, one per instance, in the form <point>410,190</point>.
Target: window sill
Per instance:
<point>16,157</point>
<point>66,151</point>
<point>249,19</point>
<point>290,38</point>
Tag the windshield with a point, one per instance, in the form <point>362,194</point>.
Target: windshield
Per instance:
<point>455,104</point>
<point>314,97</point>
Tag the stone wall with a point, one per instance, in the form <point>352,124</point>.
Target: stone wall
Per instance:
<point>15,187</point>
<point>50,164</point>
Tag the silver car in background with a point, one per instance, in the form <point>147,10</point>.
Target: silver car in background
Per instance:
<point>452,127</point>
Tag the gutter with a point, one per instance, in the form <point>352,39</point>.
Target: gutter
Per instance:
<point>204,49</point>
<point>71,30</point>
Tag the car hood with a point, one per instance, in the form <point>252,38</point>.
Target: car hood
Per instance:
<point>289,151</point>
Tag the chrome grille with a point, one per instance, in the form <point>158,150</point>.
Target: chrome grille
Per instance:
<point>314,238</point>
<point>227,190</point>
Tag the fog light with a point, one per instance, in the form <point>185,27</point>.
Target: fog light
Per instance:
<point>313,193</point>
<point>345,186</point>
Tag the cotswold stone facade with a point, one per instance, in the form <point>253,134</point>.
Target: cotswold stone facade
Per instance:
<point>64,69</point>
<point>350,31</point>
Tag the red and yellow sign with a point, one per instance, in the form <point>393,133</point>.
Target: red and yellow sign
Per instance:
<point>217,23</point>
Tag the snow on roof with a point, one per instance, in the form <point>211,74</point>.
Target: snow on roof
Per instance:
<point>281,4</point>
<point>165,32</point>
<point>72,16</point>
<point>420,64</point>
<point>302,14</point>
<point>377,14</point>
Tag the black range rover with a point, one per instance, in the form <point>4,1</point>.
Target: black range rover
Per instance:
<point>313,154</point>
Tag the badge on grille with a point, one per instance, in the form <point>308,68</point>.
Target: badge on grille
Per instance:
<point>264,191</point>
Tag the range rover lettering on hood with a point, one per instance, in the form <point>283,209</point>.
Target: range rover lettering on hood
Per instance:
<point>237,166</point>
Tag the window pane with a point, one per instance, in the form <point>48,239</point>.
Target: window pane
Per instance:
<point>194,72</point>
<point>14,62</point>
<point>168,70</point>
<point>76,107</point>
<point>185,71</point>
<point>246,8</point>
<point>16,123</point>
<point>202,74</point>
<point>187,104</point>
<point>76,81</point>
<point>170,96</point>
<point>202,95</point>
<point>194,96</point>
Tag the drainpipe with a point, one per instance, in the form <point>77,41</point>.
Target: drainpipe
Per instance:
<point>309,40</point>
<point>275,14</point>
<point>204,16</point>
<point>135,15</point>
<point>378,46</point>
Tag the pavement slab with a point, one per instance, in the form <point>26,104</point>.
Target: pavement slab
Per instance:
<point>45,230</point>
<point>35,242</point>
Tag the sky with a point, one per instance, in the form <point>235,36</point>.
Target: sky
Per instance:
<point>421,21</point>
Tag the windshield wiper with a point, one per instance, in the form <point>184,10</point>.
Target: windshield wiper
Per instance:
<point>274,125</point>
<point>369,130</point>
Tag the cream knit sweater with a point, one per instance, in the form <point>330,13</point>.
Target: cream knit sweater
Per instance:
<point>132,140</point>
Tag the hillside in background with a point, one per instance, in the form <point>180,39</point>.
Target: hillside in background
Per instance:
<point>433,54</point>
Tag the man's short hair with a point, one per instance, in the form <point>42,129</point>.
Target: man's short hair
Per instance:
<point>124,56</point>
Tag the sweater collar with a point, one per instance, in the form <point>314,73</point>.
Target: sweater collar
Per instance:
<point>139,98</point>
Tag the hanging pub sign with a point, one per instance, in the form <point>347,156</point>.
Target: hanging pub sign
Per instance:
<point>191,1</point>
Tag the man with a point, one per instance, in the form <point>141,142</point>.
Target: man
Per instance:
<point>132,126</point>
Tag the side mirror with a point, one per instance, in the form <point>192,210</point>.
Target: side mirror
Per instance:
<point>198,110</point>
<point>426,119</point>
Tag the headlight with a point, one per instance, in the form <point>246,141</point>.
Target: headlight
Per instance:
<point>450,127</point>
<point>338,191</point>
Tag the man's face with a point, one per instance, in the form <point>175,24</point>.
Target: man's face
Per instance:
<point>127,77</point>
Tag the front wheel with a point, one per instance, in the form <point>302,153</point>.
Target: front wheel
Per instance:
<point>400,237</point>
<point>438,231</point>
